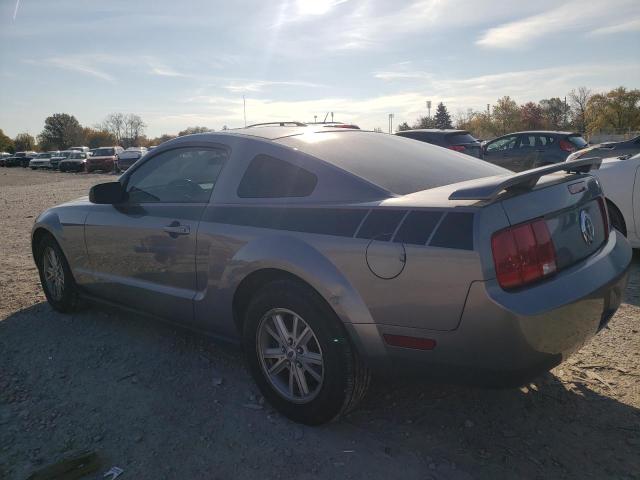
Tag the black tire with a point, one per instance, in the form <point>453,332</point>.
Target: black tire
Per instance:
<point>33,168</point>
<point>616,218</point>
<point>67,302</point>
<point>346,378</point>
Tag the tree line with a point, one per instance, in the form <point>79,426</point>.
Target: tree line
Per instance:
<point>62,131</point>
<point>616,111</point>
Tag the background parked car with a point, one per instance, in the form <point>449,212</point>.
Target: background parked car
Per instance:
<point>20,159</point>
<point>620,180</point>
<point>3,156</point>
<point>75,162</point>
<point>458,140</point>
<point>526,150</point>
<point>42,160</point>
<point>130,156</point>
<point>609,149</point>
<point>103,158</point>
<point>58,157</point>
<point>80,149</point>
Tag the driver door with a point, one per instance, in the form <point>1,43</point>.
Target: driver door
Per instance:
<point>142,252</point>
<point>501,151</point>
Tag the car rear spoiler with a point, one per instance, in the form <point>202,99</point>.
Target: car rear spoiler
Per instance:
<point>489,188</point>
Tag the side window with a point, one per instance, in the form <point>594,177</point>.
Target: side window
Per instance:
<point>268,177</point>
<point>507,143</point>
<point>528,141</point>
<point>183,175</point>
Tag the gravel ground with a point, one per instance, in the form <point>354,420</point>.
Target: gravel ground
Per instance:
<point>160,402</point>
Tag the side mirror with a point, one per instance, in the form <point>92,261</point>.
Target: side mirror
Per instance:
<point>107,193</point>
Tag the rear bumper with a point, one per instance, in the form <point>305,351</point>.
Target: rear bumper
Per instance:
<point>71,167</point>
<point>509,338</point>
<point>100,164</point>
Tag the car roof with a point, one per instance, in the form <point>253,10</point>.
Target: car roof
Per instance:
<point>433,130</point>
<point>546,132</point>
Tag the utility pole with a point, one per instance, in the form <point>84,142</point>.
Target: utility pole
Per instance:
<point>331,117</point>
<point>244,108</point>
<point>429,108</point>
<point>390,123</point>
<point>315,119</point>
<point>488,110</point>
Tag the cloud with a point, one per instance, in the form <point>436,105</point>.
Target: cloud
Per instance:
<point>629,26</point>
<point>258,85</point>
<point>78,64</point>
<point>572,16</point>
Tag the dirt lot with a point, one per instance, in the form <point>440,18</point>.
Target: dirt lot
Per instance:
<point>160,402</point>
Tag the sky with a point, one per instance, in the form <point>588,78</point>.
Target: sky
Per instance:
<point>180,63</point>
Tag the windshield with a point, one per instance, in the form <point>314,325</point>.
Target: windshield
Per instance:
<point>460,138</point>
<point>44,155</point>
<point>103,152</point>
<point>75,155</point>
<point>578,141</point>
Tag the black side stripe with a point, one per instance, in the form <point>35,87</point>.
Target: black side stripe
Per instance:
<point>455,230</point>
<point>341,222</point>
<point>380,224</point>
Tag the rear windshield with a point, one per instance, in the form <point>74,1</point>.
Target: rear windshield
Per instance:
<point>460,138</point>
<point>399,165</point>
<point>578,141</point>
<point>103,152</point>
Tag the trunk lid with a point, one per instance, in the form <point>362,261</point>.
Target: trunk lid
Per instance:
<point>572,208</point>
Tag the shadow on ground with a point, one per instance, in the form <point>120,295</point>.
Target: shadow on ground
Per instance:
<point>160,402</point>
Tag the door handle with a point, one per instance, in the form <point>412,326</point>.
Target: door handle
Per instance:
<point>175,230</point>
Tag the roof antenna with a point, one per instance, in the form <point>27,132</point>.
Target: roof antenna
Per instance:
<point>325,118</point>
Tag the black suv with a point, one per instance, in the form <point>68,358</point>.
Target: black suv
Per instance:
<point>526,150</point>
<point>458,140</point>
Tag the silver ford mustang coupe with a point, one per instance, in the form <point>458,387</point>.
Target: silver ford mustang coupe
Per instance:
<point>333,253</point>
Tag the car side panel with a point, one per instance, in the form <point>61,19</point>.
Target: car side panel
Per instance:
<point>340,266</point>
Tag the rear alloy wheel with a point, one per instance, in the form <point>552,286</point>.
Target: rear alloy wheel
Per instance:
<point>290,355</point>
<point>299,354</point>
<point>55,276</point>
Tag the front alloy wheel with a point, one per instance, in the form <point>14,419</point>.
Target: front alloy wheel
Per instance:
<point>55,276</point>
<point>53,273</point>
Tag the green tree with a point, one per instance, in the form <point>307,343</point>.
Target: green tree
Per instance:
<point>61,131</point>
<point>192,130</point>
<point>95,138</point>
<point>506,115</point>
<point>403,126</point>
<point>617,110</point>
<point>555,113</point>
<point>6,144</point>
<point>531,116</point>
<point>425,122</point>
<point>579,101</point>
<point>161,139</point>
<point>442,119</point>
<point>24,142</point>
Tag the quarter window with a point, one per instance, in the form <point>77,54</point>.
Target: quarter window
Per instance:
<point>183,175</point>
<point>268,177</point>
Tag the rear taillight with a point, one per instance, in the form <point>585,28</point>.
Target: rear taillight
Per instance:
<point>457,148</point>
<point>567,146</point>
<point>523,254</point>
